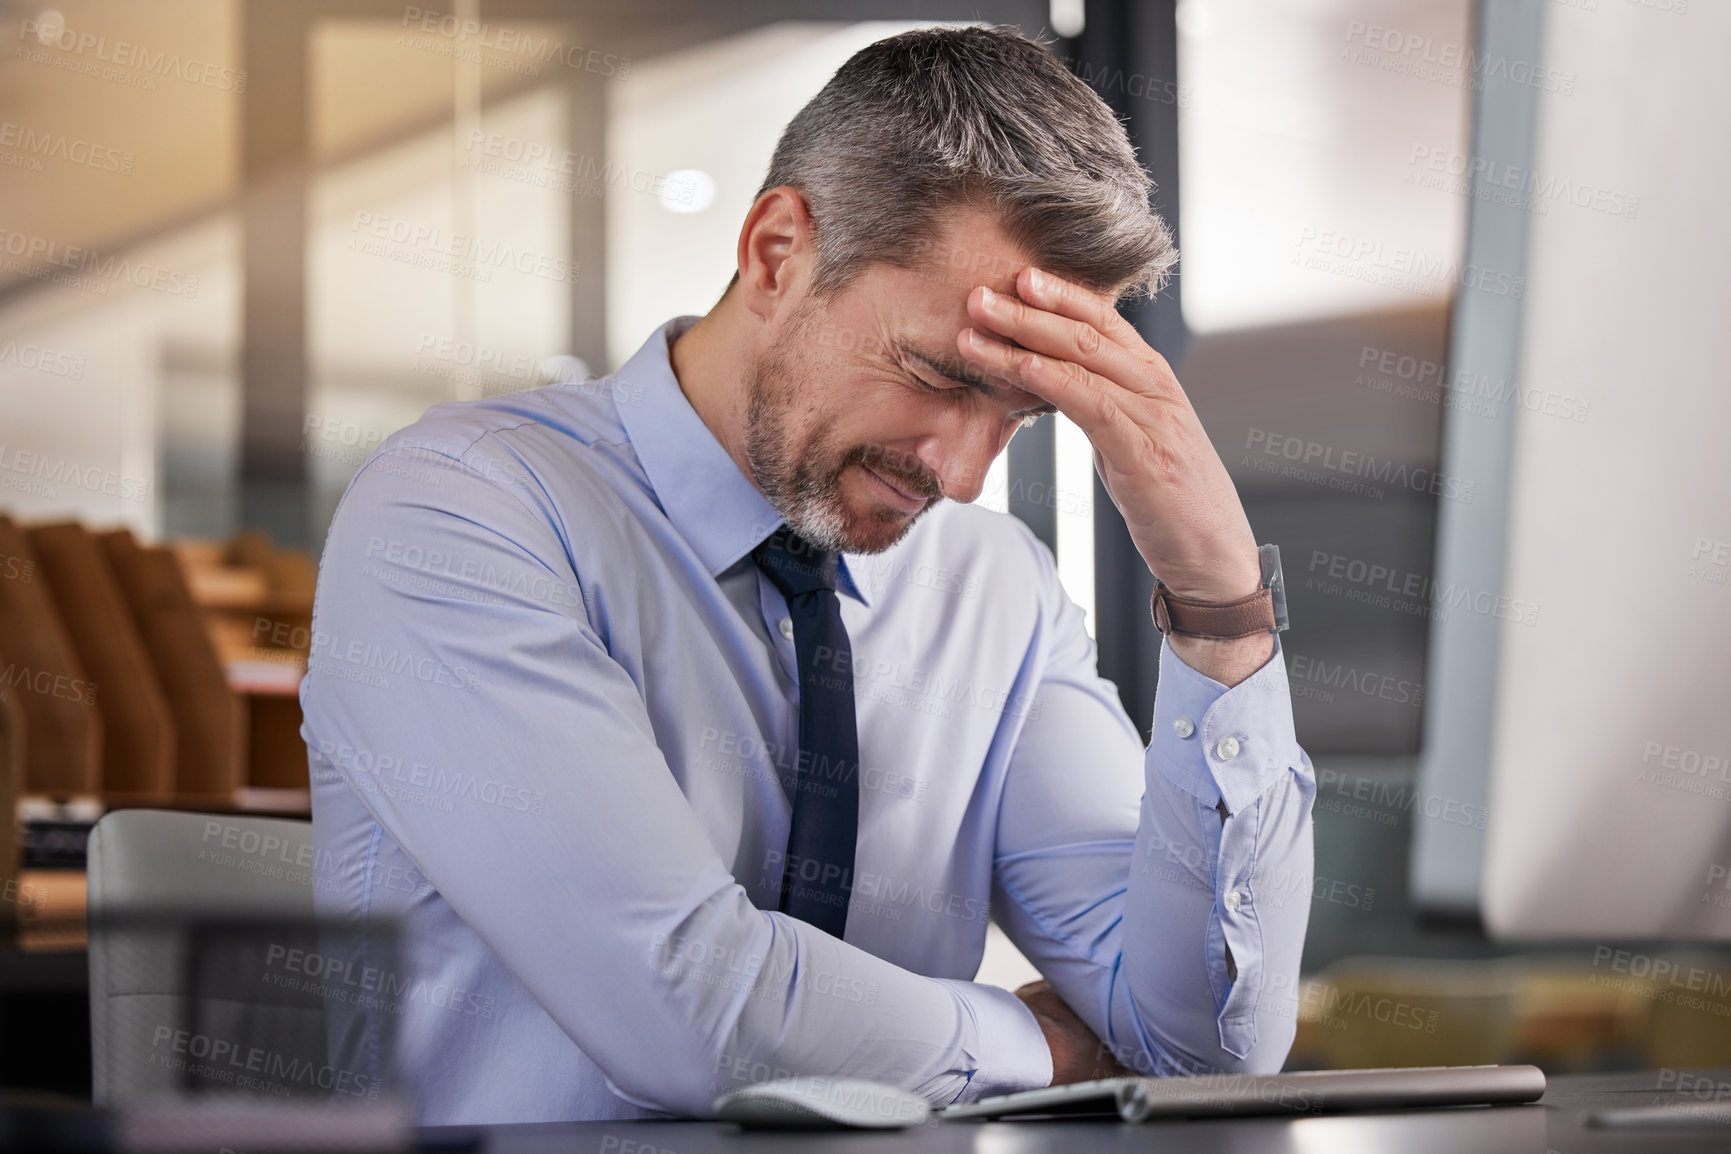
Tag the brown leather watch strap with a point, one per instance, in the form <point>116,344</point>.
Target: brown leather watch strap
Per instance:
<point>1220,621</point>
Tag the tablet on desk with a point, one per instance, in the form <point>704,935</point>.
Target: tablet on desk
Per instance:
<point>1308,1092</point>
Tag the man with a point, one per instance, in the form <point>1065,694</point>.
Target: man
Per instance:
<point>695,726</point>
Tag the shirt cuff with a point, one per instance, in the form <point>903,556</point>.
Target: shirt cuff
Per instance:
<point>1213,742</point>
<point>1008,1048</point>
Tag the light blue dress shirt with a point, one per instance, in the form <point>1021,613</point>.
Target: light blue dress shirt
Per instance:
<point>552,723</point>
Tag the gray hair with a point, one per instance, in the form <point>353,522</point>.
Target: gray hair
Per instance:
<point>982,117</point>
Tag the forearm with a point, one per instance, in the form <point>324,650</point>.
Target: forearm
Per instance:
<point>1223,863</point>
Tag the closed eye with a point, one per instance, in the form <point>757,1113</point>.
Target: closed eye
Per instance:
<point>927,386</point>
<point>958,391</point>
<point>960,384</point>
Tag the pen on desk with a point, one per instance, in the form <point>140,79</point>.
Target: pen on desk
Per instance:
<point>1683,1116</point>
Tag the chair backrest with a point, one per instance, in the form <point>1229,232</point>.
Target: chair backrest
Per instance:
<point>169,1007</point>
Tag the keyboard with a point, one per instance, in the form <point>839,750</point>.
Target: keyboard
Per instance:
<point>1306,1092</point>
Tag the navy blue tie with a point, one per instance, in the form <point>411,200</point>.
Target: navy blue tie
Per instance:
<point>817,874</point>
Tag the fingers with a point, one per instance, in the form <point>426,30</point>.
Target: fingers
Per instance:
<point>1053,293</point>
<point>1080,395</point>
<point>1061,337</point>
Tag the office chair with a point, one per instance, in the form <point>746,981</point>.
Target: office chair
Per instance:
<point>171,1005</point>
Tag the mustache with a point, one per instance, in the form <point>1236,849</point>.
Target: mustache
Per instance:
<point>905,469</point>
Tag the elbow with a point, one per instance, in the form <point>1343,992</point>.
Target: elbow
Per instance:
<point>1256,1044</point>
<point>682,1077</point>
<point>679,1094</point>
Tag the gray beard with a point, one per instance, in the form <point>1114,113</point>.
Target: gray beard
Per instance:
<point>806,493</point>
<point>811,503</point>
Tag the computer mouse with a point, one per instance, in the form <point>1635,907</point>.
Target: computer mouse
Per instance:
<point>819,1103</point>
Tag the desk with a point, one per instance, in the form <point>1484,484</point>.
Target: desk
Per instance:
<point>1550,1126</point>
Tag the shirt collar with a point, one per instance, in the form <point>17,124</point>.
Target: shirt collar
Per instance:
<point>713,505</point>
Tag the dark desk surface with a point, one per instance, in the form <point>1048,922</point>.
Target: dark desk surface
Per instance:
<point>1551,1127</point>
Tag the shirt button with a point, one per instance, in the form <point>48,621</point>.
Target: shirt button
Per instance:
<point>1233,899</point>
<point>1227,749</point>
<point>786,627</point>
<point>1183,727</point>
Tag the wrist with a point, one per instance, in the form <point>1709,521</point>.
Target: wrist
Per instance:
<point>1262,609</point>
<point>1227,661</point>
<point>1218,584</point>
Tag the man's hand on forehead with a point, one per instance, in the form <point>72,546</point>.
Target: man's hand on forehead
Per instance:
<point>1066,344</point>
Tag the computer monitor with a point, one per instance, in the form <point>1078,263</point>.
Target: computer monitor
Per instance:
<point>1581,636</point>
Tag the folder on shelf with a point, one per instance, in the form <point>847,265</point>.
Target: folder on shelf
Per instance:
<point>210,733</point>
<point>40,672</point>
<point>137,724</point>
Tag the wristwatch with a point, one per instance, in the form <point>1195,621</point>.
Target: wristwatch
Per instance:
<point>1264,611</point>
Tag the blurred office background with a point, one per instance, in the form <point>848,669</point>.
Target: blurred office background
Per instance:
<point>244,240</point>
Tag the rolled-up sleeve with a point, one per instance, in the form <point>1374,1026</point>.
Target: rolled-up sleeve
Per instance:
<point>1165,892</point>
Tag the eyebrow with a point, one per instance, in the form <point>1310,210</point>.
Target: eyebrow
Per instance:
<point>956,371</point>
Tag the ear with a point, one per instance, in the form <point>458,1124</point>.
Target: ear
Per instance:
<point>776,253</point>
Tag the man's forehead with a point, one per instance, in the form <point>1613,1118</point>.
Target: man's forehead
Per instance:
<point>967,249</point>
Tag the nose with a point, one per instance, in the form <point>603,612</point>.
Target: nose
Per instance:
<point>960,457</point>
